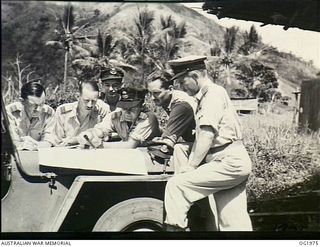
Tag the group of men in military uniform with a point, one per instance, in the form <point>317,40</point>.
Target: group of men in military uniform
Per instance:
<point>203,132</point>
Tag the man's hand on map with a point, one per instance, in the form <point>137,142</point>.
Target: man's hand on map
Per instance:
<point>44,144</point>
<point>164,141</point>
<point>89,137</point>
<point>28,143</point>
<point>68,141</point>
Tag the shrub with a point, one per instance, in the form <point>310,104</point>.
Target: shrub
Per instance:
<point>284,161</point>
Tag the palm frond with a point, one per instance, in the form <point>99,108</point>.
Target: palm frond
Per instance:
<point>107,44</point>
<point>125,66</point>
<point>80,28</point>
<point>62,24</point>
<point>80,52</point>
<point>100,43</point>
<point>57,44</point>
<point>68,17</point>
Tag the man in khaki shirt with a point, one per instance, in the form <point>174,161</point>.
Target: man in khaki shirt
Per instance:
<point>131,122</point>
<point>30,119</point>
<point>218,143</point>
<point>73,118</point>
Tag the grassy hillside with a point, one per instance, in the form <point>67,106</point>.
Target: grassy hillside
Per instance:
<point>289,67</point>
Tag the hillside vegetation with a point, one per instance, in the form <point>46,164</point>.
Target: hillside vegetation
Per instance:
<point>27,26</point>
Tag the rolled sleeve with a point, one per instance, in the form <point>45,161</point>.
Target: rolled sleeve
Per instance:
<point>48,129</point>
<point>55,132</point>
<point>211,110</point>
<point>181,120</point>
<point>105,126</point>
<point>13,128</point>
<point>146,129</point>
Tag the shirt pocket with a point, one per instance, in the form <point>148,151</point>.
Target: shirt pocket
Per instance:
<point>36,134</point>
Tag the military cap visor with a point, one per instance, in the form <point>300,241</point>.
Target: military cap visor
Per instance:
<point>130,98</point>
<point>111,78</point>
<point>111,74</point>
<point>182,66</point>
<point>128,104</point>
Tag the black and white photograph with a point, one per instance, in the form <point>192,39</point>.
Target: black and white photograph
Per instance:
<point>160,120</point>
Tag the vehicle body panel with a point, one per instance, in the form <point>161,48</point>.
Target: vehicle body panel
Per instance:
<point>73,200</point>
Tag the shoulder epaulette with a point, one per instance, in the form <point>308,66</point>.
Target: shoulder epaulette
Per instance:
<point>66,108</point>
<point>14,107</point>
<point>116,114</point>
<point>204,90</point>
<point>144,115</point>
<point>48,109</point>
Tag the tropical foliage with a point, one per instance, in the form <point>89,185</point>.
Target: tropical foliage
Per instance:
<point>79,40</point>
<point>68,40</point>
<point>237,66</point>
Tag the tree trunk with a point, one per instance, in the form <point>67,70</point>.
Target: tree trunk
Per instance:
<point>228,85</point>
<point>65,72</point>
<point>19,73</point>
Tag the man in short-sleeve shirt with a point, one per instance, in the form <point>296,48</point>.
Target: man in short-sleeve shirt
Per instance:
<point>30,119</point>
<point>226,165</point>
<point>73,118</point>
<point>133,126</point>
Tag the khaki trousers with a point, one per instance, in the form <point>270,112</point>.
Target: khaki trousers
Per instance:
<point>223,175</point>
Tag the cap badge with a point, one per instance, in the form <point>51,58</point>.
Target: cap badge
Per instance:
<point>113,71</point>
<point>125,95</point>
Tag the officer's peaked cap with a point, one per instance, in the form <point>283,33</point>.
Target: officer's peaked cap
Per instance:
<point>111,73</point>
<point>183,65</point>
<point>131,97</point>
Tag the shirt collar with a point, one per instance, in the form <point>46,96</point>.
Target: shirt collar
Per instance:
<point>25,116</point>
<point>74,114</point>
<point>168,107</point>
<point>201,93</point>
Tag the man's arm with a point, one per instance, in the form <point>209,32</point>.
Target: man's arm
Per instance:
<point>14,130</point>
<point>47,137</point>
<point>103,108</point>
<point>181,120</point>
<point>130,143</point>
<point>96,134</point>
<point>201,146</point>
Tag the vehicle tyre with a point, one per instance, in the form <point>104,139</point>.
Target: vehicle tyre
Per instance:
<point>138,214</point>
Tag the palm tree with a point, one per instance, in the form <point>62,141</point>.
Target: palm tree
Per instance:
<point>239,62</point>
<point>140,41</point>
<point>170,38</point>
<point>67,39</point>
<point>251,41</point>
<point>229,53</point>
<point>102,54</point>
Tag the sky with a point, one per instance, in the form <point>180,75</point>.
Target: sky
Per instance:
<point>302,43</point>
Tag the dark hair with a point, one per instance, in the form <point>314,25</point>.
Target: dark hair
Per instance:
<point>163,76</point>
<point>32,89</point>
<point>94,85</point>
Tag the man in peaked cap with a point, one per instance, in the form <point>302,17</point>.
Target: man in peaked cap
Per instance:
<point>111,80</point>
<point>218,143</point>
<point>133,125</point>
<point>73,118</point>
<point>30,119</point>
